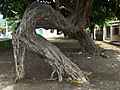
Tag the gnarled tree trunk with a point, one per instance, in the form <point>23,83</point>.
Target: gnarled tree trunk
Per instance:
<point>42,15</point>
<point>39,15</point>
<point>77,21</point>
<point>86,44</point>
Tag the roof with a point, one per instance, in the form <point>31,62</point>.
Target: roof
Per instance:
<point>114,23</point>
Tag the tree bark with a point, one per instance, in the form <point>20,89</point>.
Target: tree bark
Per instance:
<point>26,38</point>
<point>39,15</point>
<point>87,44</point>
<point>77,21</point>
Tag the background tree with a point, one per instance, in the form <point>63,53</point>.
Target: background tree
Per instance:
<point>15,8</point>
<point>2,27</point>
<point>103,11</point>
<point>12,23</point>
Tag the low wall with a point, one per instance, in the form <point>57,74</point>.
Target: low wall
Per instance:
<point>5,44</point>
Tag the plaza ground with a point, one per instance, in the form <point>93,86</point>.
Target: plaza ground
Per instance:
<point>105,72</point>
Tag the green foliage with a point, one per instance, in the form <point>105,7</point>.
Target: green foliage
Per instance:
<point>12,23</point>
<point>2,27</point>
<point>87,30</point>
<point>16,8</point>
<point>102,11</point>
<point>13,8</point>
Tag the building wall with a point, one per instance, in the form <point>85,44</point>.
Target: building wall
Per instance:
<point>48,33</point>
<point>115,38</point>
<point>115,33</point>
<point>112,32</point>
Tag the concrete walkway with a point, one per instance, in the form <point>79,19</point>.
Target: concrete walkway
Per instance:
<point>115,43</point>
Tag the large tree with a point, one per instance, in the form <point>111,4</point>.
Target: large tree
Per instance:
<point>102,12</point>
<point>38,15</point>
<point>76,12</point>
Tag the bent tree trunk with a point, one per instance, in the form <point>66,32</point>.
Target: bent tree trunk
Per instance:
<point>77,22</point>
<point>26,38</point>
<point>86,43</point>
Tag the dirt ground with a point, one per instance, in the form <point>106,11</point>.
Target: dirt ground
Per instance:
<point>105,72</point>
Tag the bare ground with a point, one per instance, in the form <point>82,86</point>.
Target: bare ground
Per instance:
<point>105,72</point>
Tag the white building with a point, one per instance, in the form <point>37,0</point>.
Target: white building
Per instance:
<point>112,33</point>
<point>48,33</point>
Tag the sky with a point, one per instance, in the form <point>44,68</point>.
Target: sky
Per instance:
<point>1,18</point>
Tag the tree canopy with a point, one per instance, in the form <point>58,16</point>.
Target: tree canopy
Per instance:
<point>104,10</point>
<point>15,8</point>
<point>101,10</point>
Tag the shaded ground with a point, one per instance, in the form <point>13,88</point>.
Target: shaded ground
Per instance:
<point>105,72</point>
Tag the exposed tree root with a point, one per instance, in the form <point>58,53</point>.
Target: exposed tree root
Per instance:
<point>103,55</point>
